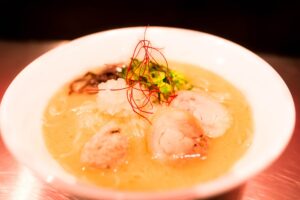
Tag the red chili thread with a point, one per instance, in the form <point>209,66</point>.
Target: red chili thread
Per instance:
<point>145,50</point>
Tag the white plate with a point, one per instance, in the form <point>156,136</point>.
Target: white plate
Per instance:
<point>25,100</point>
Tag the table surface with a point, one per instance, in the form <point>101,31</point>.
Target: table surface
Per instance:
<point>280,181</point>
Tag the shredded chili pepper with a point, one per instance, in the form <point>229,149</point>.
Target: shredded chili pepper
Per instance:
<point>144,52</point>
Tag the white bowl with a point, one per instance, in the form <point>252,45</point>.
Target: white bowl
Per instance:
<point>25,100</point>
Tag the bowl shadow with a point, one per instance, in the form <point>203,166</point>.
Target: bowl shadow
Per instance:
<point>235,194</point>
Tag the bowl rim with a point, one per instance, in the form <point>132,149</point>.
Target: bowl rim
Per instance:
<point>211,188</point>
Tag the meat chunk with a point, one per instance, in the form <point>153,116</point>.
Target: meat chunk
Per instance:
<point>176,134</point>
<point>107,148</point>
<point>213,116</point>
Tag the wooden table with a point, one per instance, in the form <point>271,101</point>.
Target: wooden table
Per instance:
<point>280,181</point>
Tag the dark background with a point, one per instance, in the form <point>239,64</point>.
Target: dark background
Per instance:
<point>262,26</point>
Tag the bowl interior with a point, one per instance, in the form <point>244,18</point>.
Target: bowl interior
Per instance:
<point>24,102</point>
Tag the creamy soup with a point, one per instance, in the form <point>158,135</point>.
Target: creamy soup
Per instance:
<point>71,120</point>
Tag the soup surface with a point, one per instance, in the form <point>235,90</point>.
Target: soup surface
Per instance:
<point>71,120</point>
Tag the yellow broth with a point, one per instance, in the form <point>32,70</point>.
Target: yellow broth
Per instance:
<point>65,137</point>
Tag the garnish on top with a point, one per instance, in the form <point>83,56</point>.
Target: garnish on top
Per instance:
<point>143,75</point>
<point>155,77</point>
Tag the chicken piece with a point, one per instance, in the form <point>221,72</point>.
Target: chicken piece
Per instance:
<point>176,134</point>
<point>107,148</point>
<point>213,116</point>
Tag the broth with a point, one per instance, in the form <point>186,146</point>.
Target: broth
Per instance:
<point>67,128</point>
